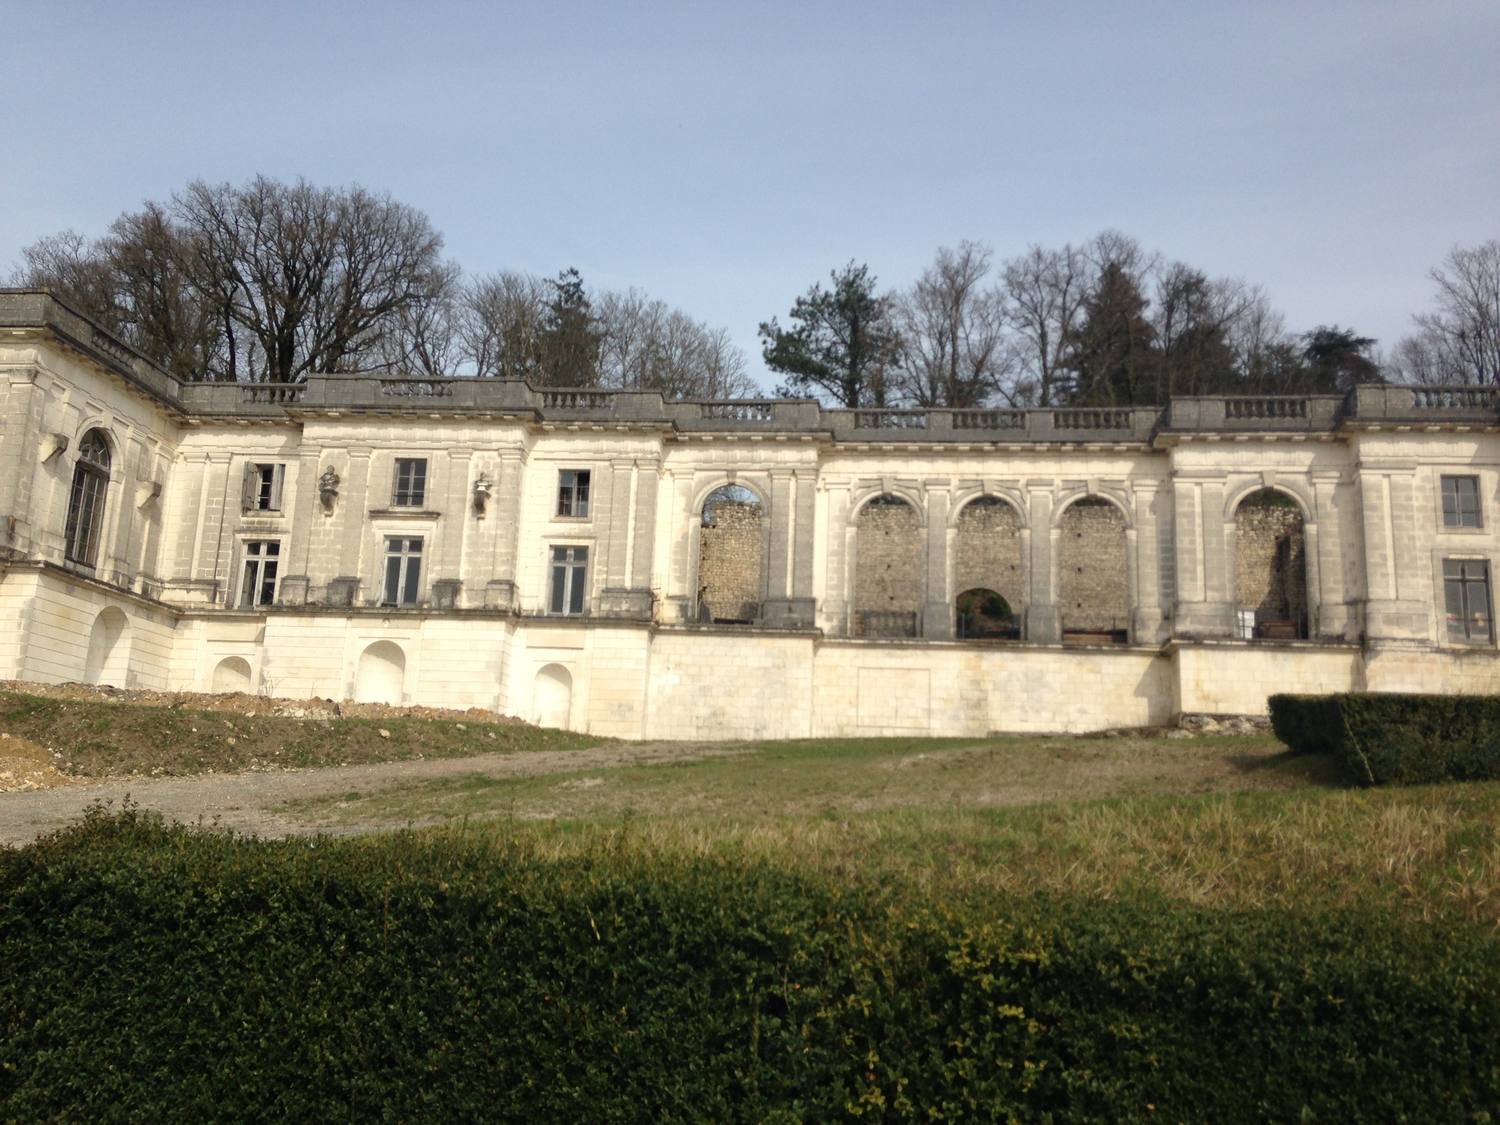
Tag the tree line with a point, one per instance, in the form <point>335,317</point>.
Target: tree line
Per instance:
<point>271,282</point>
<point>1105,323</point>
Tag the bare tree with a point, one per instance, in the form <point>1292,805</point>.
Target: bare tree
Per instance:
<point>500,324</point>
<point>648,345</point>
<point>424,338</point>
<point>952,323</point>
<point>1460,339</point>
<point>1045,291</point>
<point>315,276</point>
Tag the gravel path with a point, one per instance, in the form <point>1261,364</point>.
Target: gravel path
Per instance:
<point>245,801</point>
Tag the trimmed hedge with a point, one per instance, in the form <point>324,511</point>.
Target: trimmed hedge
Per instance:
<point>1391,738</point>
<point>155,972</point>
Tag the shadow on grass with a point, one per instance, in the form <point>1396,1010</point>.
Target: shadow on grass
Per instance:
<point>1312,769</point>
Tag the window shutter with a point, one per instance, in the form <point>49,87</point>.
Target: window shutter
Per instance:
<point>277,473</point>
<point>247,489</point>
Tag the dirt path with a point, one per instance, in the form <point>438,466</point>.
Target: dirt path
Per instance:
<point>245,801</point>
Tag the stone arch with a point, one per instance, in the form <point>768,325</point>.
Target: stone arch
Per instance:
<point>381,675</point>
<point>1067,500</point>
<point>108,657</point>
<point>731,555</point>
<point>988,559</point>
<point>889,567</point>
<point>233,674</point>
<point>1270,565</point>
<point>1093,563</point>
<point>552,697</point>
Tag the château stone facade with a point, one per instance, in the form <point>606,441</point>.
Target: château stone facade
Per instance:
<point>613,562</point>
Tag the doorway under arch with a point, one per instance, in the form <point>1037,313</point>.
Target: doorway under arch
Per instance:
<point>381,677</point>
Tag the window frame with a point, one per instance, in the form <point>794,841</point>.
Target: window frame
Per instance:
<point>1456,523</point>
<point>258,561</point>
<point>415,492</point>
<point>1465,584</point>
<point>574,494</point>
<point>574,590</point>
<point>88,497</point>
<point>260,493</point>
<point>406,581</point>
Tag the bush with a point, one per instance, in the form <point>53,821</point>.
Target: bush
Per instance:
<point>165,972</point>
<point>1407,739</point>
<point>1308,724</point>
<point>1390,738</point>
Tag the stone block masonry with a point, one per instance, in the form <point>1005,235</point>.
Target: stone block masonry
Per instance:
<point>1093,570</point>
<point>730,561</point>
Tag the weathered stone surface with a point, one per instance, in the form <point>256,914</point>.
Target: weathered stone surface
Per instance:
<point>1092,568</point>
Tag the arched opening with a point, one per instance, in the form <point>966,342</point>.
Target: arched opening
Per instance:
<point>381,677</point>
<point>108,658</point>
<point>985,615</point>
<point>552,697</point>
<point>1270,574</point>
<point>888,557</point>
<point>730,557</point>
<point>232,674</point>
<point>86,499</point>
<point>1093,573</point>
<point>987,568</point>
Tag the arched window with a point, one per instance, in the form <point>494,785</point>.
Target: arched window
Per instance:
<point>1093,573</point>
<point>987,570</point>
<point>1270,567</point>
<point>729,557</point>
<point>86,500</point>
<point>888,556</point>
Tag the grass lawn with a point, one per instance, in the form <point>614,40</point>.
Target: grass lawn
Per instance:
<point>107,738</point>
<point>1232,822</point>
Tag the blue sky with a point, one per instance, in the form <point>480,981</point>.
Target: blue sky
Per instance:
<point>724,157</point>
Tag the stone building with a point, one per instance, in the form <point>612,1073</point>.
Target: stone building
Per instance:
<point>617,563</point>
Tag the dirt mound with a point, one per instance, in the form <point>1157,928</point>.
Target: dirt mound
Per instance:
<point>239,703</point>
<point>25,765</point>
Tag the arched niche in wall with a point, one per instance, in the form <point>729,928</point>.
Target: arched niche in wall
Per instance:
<point>381,676</point>
<point>889,552</point>
<point>731,556</point>
<point>552,697</point>
<point>1093,572</point>
<point>1270,567</point>
<point>108,658</point>
<point>987,569</point>
<point>233,674</point>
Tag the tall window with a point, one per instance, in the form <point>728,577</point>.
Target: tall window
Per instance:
<point>86,499</point>
<point>570,566</point>
<point>411,482</point>
<point>1466,589</point>
<point>403,571</point>
<point>1461,502</point>
<point>258,580</point>
<point>573,493</point>
<point>262,488</point>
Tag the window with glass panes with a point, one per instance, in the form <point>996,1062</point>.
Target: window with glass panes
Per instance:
<point>403,571</point>
<point>1466,591</point>
<point>411,483</point>
<point>1461,502</point>
<point>573,492</point>
<point>570,567</point>
<point>86,499</point>
<point>262,489</point>
<point>258,577</point>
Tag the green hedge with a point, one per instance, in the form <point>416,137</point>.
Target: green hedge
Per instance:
<point>1390,738</point>
<point>166,973</point>
<point>1308,724</point>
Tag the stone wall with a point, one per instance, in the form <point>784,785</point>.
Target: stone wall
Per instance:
<point>1093,586</point>
<point>1270,562</point>
<point>729,560</point>
<point>888,557</point>
<point>987,551</point>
